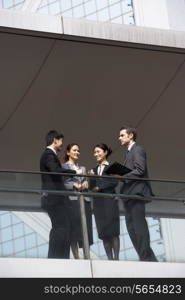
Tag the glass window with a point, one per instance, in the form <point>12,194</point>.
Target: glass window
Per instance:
<point>66,4</point>
<point>122,255</point>
<point>43,251</point>
<point>51,1</point>
<point>54,8</point>
<point>118,20</point>
<point>5,220</point>
<point>158,247</point>
<point>78,11</point>
<point>113,1</point>
<point>19,244</point>
<point>154,233</point>
<point>126,7</point>
<point>39,240</point>
<point>77,2</point>
<point>27,229</point>
<point>98,248</point>
<point>6,234</point>
<point>43,10</point>
<point>131,254</point>
<point>122,243</point>
<point>127,241</point>
<point>115,10</point>
<point>7,3</point>
<point>123,224</point>
<point>128,2</point>
<point>2,212</point>
<point>161,257</point>
<point>30,240</point>
<point>21,254</point>
<point>101,249</point>
<point>90,7</point>
<point>92,17</point>
<point>18,1</point>
<point>18,6</point>
<point>128,18</point>
<point>67,13</point>
<point>7,248</point>
<point>18,230</point>
<point>14,219</point>
<point>152,221</point>
<point>104,257</point>
<point>95,234</point>
<point>103,15</point>
<point>101,3</point>
<point>32,253</point>
<point>43,2</point>
<point>121,228</point>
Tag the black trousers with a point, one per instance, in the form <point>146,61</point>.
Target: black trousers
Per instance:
<point>137,228</point>
<point>59,238</point>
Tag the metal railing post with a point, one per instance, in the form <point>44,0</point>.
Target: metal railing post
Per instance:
<point>86,249</point>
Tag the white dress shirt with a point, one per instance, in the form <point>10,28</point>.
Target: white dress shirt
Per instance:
<point>51,148</point>
<point>101,167</point>
<point>130,146</point>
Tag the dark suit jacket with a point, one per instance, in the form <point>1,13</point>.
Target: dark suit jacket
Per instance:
<point>105,185</point>
<point>49,162</point>
<point>136,161</point>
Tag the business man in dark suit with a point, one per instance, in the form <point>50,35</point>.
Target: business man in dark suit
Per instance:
<point>57,206</point>
<point>135,209</point>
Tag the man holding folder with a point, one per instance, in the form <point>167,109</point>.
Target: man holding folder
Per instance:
<point>137,227</point>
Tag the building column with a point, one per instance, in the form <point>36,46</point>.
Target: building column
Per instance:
<point>174,241</point>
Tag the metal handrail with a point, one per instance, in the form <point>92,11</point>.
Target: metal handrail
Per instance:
<point>93,176</point>
<point>89,194</point>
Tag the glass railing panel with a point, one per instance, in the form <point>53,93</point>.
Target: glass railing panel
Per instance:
<point>23,191</point>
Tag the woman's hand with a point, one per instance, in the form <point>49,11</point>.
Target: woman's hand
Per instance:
<point>77,186</point>
<point>91,172</point>
<point>85,185</point>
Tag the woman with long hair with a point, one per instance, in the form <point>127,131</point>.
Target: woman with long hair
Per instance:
<point>76,183</point>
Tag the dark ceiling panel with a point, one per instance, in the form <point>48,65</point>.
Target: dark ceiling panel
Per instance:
<point>88,91</point>
<point>20,60</point>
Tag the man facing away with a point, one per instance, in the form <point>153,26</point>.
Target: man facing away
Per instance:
<point>57,206</point>
<point>135,209</point>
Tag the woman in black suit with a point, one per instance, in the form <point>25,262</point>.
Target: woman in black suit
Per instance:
<point>106,210</point>
<point>76,183</point>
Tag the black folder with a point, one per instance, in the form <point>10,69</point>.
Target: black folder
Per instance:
<point>117,169</point>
